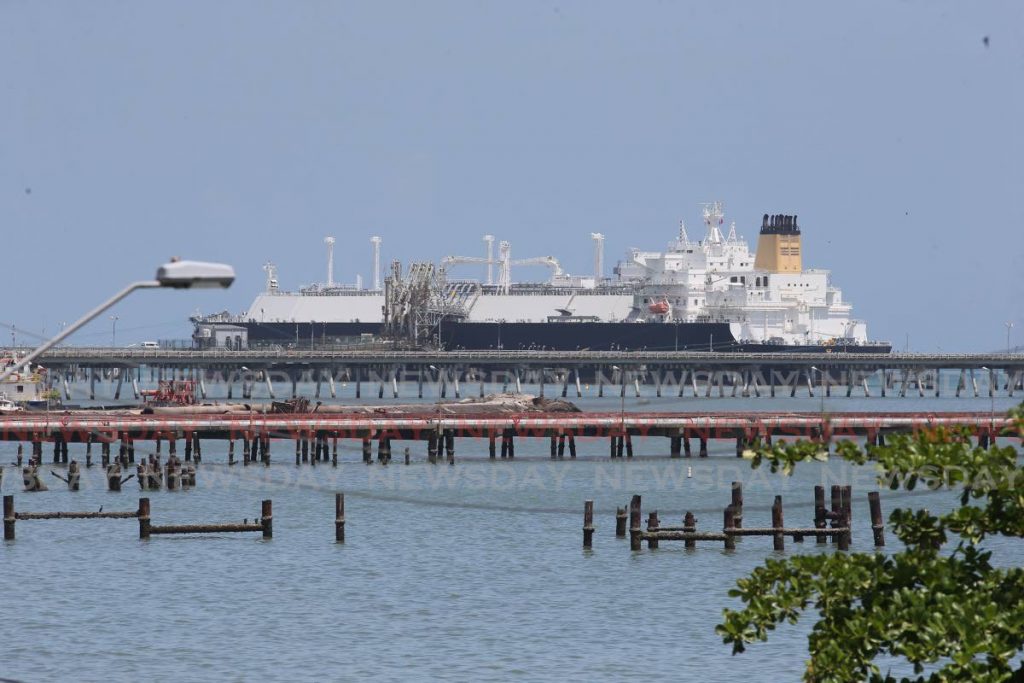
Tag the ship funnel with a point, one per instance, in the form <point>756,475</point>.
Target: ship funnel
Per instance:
<point>778,245</point>
<point>375,240</point>
<point>329,241</point>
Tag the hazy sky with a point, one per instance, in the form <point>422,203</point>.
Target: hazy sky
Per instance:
<point>248,131</point>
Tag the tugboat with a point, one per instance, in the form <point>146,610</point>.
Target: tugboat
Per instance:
<point>24,387</point>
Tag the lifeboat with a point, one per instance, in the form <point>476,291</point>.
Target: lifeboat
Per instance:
<point>659,307</point>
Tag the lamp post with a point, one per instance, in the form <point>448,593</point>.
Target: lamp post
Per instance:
<point>175,275</point>
<point>435,369</point>
<point>821,389</point>
<point>1009,326</point>
<point>113,330</point>
<point>622,396</point>
<point>992,400</point>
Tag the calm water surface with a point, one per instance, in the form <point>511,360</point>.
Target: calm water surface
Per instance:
<point>472,572</point>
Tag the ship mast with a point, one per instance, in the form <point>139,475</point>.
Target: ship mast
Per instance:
<point>598,256</point>
<point>329,241</point>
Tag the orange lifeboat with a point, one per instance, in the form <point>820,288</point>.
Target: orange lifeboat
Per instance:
<point>659,307</point>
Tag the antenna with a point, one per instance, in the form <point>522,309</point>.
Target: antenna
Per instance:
<point>375,240</point>
<point>489,239</point>
<point>713,218</point>
<point>598,255</point>
<point>683,237</point>
<point>329,241</point>
<point>271,270</point>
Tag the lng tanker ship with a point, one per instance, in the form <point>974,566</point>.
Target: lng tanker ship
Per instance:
<point>710,294</point>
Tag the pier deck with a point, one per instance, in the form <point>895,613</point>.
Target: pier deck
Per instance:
<point>100,426</point>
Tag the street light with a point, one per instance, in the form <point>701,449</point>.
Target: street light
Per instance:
<point>113,330</point>
<point>1009,326</point>
<point>821,388</point>
<point>992,402</point>
<point>175,274</point>
<point>622,393</point>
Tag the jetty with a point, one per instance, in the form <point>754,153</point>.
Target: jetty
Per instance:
<point>314,432</point>
<point>602,373</point>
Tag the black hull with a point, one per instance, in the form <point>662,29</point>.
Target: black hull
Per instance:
<point>554,336</point>
<point>589,336</point>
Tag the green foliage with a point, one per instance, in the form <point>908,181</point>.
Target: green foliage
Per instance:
<point>939,602</point>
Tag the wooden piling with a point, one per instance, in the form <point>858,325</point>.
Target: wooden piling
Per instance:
<point>836,514</point>
<point>845,506</point>
<point>778,540</point>
<point>144,520</point>
<point>173,474</point>
<point>819,513</point>
<point>267,519</point>
<point>588,524</point>
<point>737,503</point>
<point>620,522</point>
<point>339,517</point>
<point>9,518</point>
<point>74,476</point>
<point>729,524</point>
<point>690,526</point>
<point>877,522</point>
<point>629,444</point>
<point>652,528</point>
<point>634,523</point>
<point>114,477</point>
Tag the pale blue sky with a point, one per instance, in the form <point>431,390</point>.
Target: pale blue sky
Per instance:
<point>247,131</point>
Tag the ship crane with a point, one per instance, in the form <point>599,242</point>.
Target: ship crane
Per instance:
<point>505,264</point>
<point>549,261</point>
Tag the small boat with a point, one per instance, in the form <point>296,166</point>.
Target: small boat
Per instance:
<point>8,406</point>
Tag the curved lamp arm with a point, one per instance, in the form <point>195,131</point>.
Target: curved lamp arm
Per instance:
<point>46,346</point>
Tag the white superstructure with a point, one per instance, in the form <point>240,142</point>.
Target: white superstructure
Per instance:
<point>715,279</point>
